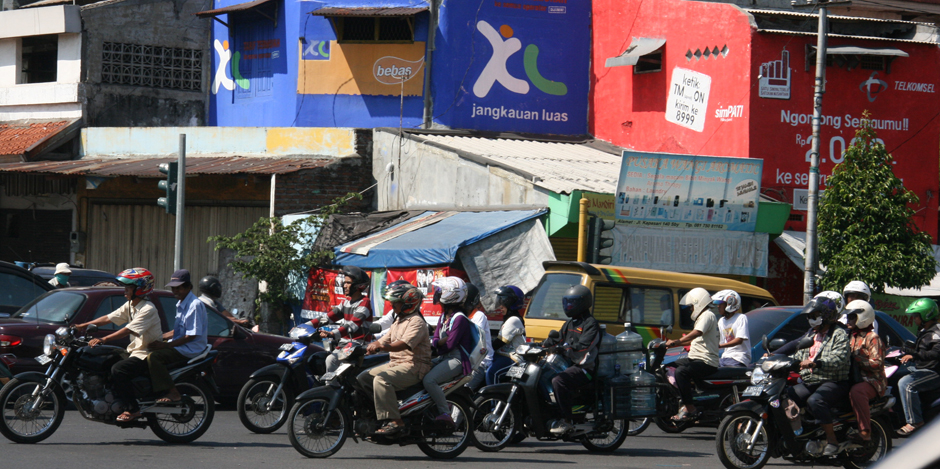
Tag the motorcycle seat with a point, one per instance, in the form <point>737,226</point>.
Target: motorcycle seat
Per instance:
<point>729,372</point>
<point>409,391</point>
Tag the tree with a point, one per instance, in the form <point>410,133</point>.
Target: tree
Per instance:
<point>865,227</point>
<point>267,252</point>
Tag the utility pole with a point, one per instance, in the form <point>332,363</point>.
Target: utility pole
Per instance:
<point>180,204</point>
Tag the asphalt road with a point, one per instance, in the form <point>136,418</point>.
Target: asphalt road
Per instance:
<point>81,444</point>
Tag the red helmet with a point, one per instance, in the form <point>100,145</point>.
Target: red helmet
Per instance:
<point>138,276</point>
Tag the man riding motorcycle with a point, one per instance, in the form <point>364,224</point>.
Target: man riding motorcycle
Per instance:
<point>580,339</point>
<point>353,317</point>
<point>702,359</point>
<point>926,356</point>
<point>511,303</point>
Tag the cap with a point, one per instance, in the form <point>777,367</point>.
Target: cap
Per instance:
<point>62,268</point>
<point>179,277</point>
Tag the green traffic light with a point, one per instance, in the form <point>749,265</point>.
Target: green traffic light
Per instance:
<point>169,185</point>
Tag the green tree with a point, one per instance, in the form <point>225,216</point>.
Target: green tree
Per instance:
<point>865,227</point>
<point>267,252</point>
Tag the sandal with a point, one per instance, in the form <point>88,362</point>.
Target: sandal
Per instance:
<point>390,428</point>
<point>908,429</point>
<point>166,400</point>
<point>128,417</point>
<point>685,416</point>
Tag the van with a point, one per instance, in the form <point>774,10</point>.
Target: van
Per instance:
<point>648,299</point>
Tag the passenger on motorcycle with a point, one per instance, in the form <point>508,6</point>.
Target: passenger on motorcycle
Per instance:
<point>389,317</point>
<point>579,341</point>
<point>189,337</point>
<point>733,329</point>
<point>474,309</point>
<point>353,317</point>
<point>824,367</point>
<point>868,354</point>
<point>702,359</point>
<point>451,342</point>
<point>926,356</point>
<point>210,293</point>
<point>409,350</point>
<point>142,324</point>
<point>854,290</point>
<point>511,303</point>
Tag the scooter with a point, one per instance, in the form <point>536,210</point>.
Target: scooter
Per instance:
<point>894,371</point>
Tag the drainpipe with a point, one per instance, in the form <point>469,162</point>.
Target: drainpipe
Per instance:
<point>432,30</point>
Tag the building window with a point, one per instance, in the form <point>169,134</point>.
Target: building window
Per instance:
<point>375,29</point>
<point>40,59</point>
<point>873,62</point>
<point>649,63</point>
<point>151,66</point>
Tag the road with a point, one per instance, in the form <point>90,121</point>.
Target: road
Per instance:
<point>81,444</point>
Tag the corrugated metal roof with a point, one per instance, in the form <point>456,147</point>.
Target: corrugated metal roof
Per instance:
<point>17,138</point>
<point>844,36</point>
<point>147,167</point>
<point>368,11</point>
<point>558,167</point>
<point>798,14</point>
<point>232,8</point>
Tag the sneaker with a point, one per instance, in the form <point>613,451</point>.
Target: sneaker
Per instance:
<point>561,427</point>
<point>446,420</point>
<point>832,450</point>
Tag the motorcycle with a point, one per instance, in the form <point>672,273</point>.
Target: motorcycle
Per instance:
<point>526,405</point>
<point>33,404</point>
<point>758,428</point>
<point>324,417</point>
<point>894,371</point>
<point>264,401</point>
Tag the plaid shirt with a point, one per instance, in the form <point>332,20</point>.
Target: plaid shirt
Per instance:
<point>869,356</point>
<point>832,362</point>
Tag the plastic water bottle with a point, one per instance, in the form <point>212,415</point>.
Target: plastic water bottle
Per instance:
<point>607,353</point>
<point>643,397</point>
<point>629,350</point>
<point>620,395</point>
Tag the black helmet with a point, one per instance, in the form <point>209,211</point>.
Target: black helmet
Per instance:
<point>822,308</point>
<point>360,280</point>
<point>473,297</point>
<point>210,285</point>
<point>577,301</point>
<point>511,297</point>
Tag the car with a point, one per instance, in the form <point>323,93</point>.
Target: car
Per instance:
<point>18,286</point>
<point>241,351</point>
<point>79,277</point>
<point>787,323</point>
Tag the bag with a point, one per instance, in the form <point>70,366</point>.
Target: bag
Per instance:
<point>478,353</point>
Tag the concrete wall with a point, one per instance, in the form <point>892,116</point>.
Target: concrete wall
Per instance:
<point>39,21</point>
<point>428,176</point>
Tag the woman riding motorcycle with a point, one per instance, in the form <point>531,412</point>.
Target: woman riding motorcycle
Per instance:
<point>868,354</point>
<point>509,301</point>
<point>451,341</point>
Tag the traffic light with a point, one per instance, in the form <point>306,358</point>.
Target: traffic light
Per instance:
<point>169,185</point>
<point>600,239</point>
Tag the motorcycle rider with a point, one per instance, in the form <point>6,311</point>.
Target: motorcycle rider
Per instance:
<point>210,293</point>
<point>579,340</point>
<point>926,357</point>
<point>868,354</point>
<point>733,329</point>
<point>854,290</point>
<point>60,279</point>
<point>474,309</point>
<point>824,367</point>
<point>451,341</point>
<point>702,359</point>
<point>409,347</point>
<point>511,303</point>
<point>389,317</point>
<point>353,316</point>
<point>142,324</point>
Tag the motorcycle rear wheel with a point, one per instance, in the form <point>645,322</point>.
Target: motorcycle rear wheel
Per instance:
<point>732,438</point>
<point>493,441</point>
<point>452,445</point>
<point>614,438</point>
<point>253,402</point>
<point>315,431</point>
<point>197,411</point>
<point>639,426</point>
<point>876,450</point>
<point>20,424</point>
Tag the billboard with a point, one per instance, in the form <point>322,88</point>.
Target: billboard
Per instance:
<point>682,191</point>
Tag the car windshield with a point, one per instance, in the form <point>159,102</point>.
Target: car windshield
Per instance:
<point>546,304</point>
<point>56,307</point>
<point>764,320</point>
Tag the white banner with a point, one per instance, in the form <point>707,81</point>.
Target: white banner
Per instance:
<point>691,251</point>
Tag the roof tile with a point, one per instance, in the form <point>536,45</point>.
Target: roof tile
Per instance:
<point>17,138</point>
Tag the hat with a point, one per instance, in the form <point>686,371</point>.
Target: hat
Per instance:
<point>178,278</point>
<point>62,268</point>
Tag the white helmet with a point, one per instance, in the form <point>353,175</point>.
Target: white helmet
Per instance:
<point>730,298</point>
<point>698,299</point>
<point>835,297</point>
<point>453,290</point>
<point>857,286</point>
<point>865,314</point>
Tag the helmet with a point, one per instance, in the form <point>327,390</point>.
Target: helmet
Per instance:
<point>822,309</point>
<point>511,297</point>
<point>925,307</point>
<point>577,301</point>
<point>864,313</point>
<point>138,276</point>
<point>473,296</point>
<point>211,286</point>
<point>403,292</point>
<point>698,299</point>
<point>360,280</point>
<point>835,297</point>
<point>730,298</point>
<point>857,286</point>
<point>453,290</point>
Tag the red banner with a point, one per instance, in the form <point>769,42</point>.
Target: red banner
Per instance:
<point>422,278</point>
<point>324,290</point>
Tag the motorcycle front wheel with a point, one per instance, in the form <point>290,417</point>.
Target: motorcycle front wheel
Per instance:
<point>27,418</point>
<point>315,431</point>
<point>611,441</point>
<point>734,436</point>
<point>259,410</point>
<point>487,410</point>
<point>447,445</point>
<point>874,451</point>
<point>197,408</point>
<point>639,426</point>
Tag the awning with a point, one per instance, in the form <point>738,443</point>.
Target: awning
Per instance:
<point>852,50</point>
<point>24,141</point>
<point>639,47</point>
<point>239,8</point>
<point>437,243</point>
<point>147,167</point>
<point>368,11</point>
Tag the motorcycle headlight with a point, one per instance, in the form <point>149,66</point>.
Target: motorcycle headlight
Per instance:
<point>48,345</point>
<point>757,376</point>
<point>62,332</point>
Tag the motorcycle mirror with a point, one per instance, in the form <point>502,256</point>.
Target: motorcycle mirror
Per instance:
<point>805,342</point>
<point>776,344</point>
<point>91,329</point>
<point>763,343</point>
<point>555,335</point>
<point>909,343</point>
<point>375,328</point>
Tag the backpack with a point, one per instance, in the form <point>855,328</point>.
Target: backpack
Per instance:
<point>476,337</point>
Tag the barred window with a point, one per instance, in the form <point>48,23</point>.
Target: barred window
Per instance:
<point>151,66</point>
<point>375,29</point>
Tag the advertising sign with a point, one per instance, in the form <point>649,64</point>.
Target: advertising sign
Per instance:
<point>422,278</point>
<point>681,191</point>
<point>687,101</point>
<point>703,252</point>
<point>362,69</point>
<point>324,291</point>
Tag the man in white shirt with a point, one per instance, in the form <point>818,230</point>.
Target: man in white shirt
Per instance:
<point>474,309</point>
<point>702,359</point>
<point>733,329</point>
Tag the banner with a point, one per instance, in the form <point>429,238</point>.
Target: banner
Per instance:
<point>698,251</point>
<point>682,191</point>
<point>324,291</point>
<point>422,278</point>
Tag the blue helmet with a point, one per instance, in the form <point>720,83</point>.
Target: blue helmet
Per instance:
<point>511,297</point>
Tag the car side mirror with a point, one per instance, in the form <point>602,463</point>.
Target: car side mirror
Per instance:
<point>776,344</point>
<point>238,333</point>
<point>554,335</point>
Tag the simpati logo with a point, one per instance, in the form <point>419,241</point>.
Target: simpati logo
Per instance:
<point>728,113</point>
<point>774,78</point>
<point>393,70</point>
<point>872,86</point>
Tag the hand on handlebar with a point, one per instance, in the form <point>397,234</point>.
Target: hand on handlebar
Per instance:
<point>95,342</point>
<point>807,364</point>
<point>906,358</point>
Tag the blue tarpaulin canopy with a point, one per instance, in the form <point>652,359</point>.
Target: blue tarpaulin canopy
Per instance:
<point>434,244</point>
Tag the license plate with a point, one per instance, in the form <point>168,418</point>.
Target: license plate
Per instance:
<point>753,391</point>
<point>328,376</point>
<point>333,374</point>
<point>516,371</point>
<point>286,347</point>
<point>43,359</point>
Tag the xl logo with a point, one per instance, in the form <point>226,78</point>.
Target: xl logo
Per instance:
<point>226,58</point>
<point>872,86</point>
<point>495,70</point>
